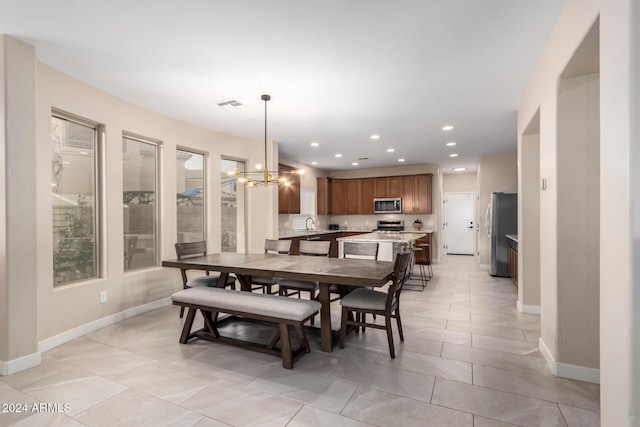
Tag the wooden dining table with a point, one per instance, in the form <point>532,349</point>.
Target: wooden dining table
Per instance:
<point>343,272</point>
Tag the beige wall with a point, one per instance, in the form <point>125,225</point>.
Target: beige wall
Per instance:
<point>18,243</point>
<point>496,173</point>
<point>74,305</point>
<point>529,220</point>
<point>27,299</point>
<point>460,182</point>
<point>578,205</point>
<point>620,191</point>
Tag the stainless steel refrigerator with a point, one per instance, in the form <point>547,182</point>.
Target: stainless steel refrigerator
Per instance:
<point>502,219</point>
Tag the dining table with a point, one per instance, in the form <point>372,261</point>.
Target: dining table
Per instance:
<point>342,272</point>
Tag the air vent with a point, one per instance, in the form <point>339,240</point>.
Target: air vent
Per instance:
<point>229,102</point>
<point>363,158</point>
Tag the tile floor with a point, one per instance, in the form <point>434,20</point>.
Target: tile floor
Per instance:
<point>469,359</point>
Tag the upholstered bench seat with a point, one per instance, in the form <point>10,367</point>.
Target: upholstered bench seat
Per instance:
<point>285,312</point>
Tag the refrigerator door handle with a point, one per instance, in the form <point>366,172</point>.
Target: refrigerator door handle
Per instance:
<point>488,221</point>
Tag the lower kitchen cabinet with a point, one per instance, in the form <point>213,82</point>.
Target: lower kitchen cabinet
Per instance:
<point>425,240</point>
<point>513,260</point>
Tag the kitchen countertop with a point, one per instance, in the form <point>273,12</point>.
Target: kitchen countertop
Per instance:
<point>283,234</point>
<point>384,237</point>
<point>512,237</point>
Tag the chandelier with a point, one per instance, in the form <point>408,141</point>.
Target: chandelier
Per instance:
<point>262,175</point>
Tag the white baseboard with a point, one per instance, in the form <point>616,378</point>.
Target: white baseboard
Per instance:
<point>531,309</point>
<point>74,333</point>
<point>565,370</point>
<point>22,363</point>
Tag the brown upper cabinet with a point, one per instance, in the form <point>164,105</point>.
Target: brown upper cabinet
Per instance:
<point>338,197</point>
<point>355,196</point>
<point>352,196</point>
<point>365,202</point>
<point>408,194</point>
<point>416,194</point>
<point>323,196</point>
<point>289,195</point>
<point>387,186</point>
<point>422,202</point>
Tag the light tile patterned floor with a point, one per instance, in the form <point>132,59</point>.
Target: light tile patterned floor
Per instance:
<point>469,359</point>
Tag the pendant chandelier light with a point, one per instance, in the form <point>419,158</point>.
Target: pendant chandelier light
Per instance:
<point>262,175</point>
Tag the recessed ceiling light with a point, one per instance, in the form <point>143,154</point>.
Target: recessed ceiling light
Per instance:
<point>453,155</point>
<point>375,136</point>
<point>451,144</point>
<point>314,163</point>
<point>338,155</point>
<point>390,150</point>
<point>314,144</point>
<point>401,160</point>
<point>354,164</point>
<point>447,127</point>
<point>459,169</point>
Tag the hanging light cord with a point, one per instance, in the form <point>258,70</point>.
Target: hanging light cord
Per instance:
<point>265,98</point>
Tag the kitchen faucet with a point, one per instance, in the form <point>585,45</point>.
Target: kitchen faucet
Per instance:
<point>306,223</point>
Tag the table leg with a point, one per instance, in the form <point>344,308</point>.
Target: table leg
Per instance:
<point>326,335</point>
<point>222,280</point>
<point>245,282</point>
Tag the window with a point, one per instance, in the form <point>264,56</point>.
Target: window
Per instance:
<point>190,187</point>
<point>140,201</point>
<point>74,187</point>
<point>233,208</point>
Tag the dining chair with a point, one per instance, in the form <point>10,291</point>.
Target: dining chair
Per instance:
<point>271,246</point>
<point>290,287</point>
<point>365,301</point>
<point>365,250</point>
<point>360,250</point>
<point>193,249</point>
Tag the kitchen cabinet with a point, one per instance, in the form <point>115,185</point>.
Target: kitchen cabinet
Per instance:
<point>289,195</point>
<point>355,196</point>
<point>425,240</point>
<point>365,205</point>
<point>513,260</point>
<point>416,194</point>
<point>423,189</point>
<point>323,196</point>
<point>408,194</point>
<point>338,197</point>
<point>387,186</point>
<point>351,196</point>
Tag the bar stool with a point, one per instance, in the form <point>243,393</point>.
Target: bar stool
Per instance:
<point>417,255</point>
<point>426,258</point>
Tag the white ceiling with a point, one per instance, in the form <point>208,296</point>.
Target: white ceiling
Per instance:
<point>337,70</point>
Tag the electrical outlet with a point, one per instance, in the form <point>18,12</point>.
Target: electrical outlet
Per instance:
<point>103,297</point>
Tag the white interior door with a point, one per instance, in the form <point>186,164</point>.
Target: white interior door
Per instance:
<point>459,226</point>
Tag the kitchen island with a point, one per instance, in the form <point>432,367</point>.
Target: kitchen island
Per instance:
<point>389,243</point>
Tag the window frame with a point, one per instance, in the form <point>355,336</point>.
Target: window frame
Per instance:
<point>205,202</point>
<point>157,194</point>
<point>99,197</point>
<point>245,219</point>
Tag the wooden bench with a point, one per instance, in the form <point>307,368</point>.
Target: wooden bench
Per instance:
<point>285,312</point>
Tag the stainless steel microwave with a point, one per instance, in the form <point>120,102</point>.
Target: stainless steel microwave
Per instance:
<point>389,205</point>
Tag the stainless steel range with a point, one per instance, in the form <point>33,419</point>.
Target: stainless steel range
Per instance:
<point>390,226</point>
